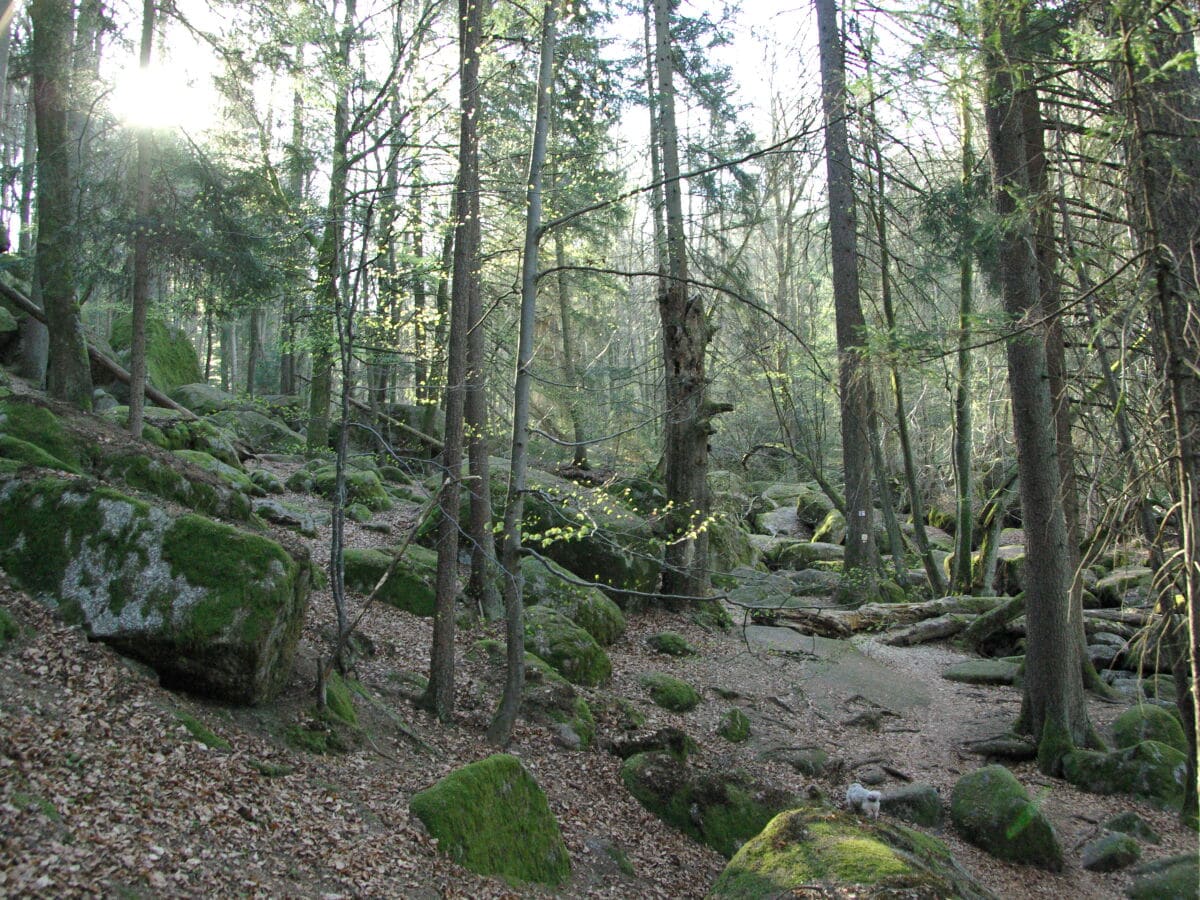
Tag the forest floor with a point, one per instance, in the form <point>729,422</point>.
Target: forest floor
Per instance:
<point>104,790</point>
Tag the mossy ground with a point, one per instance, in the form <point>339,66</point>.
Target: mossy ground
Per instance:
<point>492,817</point>
<point>671,644</point>
<point>202,732</point>
<point>25,424</point>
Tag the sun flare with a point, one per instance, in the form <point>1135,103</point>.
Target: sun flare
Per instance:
<point>162,97</point>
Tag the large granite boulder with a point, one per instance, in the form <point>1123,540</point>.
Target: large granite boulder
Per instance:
<point>821,852</point>
<point>1149,770</point>
<point>212,609</point>
<point>412,584</point>
<point>171,360</point>
<point>492,817</point>
<point>548,584</point>
<point>261,433</point>
<point>720,809</point>
<point>991,809</point>
<point>571,650</point>
<point>1146,722</point>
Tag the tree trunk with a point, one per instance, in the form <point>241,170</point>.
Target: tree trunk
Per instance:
<point>857,401</point>
<point>330,258</point>
<point>69,376</point>
<point>141,246</point>
<point>439,695</point>
<point>574,384</point>
<point>964,479</point>
<point>1162,102</point>
<point>685,337</point>
<point>1053,708</point>
<point>513,584</point>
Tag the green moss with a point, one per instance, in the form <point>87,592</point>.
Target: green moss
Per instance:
<point>362,486</point>
<point>171,360</point>
<point>1055,744</point>
<point>338,700</point>
<point>567,647</point>
<point>22,800</point>
<point>828,853</point>
<point>1146,722</point>
<point>492,817</point>
<point>271,770</point>
<point>548,584</point>
<point>735,726</point>
<point>245,576</point>
<point>670,692</point>
<point>621,858</point>
<point>1173,878</point>
<point>580,720</point>
<point>9,629</point>
<point>317,739</point>
<point>233,477</point>
<point>24,424</point>
<point>1149,770</point>
<point>990,809</point>
<point>671,644</point>
<point>410,587</point>
<point>202,732</point>
<point>719,810</point>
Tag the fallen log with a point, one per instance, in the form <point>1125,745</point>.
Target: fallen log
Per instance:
<point>819,624</point>
<point>1134,617</point>
<point>992,621</point>
<point>930,630</point>
<point>111,366</point>
<point>889,615</point>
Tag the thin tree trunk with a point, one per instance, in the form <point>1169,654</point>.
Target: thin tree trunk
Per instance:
<point>69,376</point>
<point>439,695</point>
<point>857,401</point>
<point>570,371</point>
<point>35,339</point>
<point>501,727</point>
<point>141,246</point>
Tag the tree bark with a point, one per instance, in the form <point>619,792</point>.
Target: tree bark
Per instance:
<point>439,695</point>
<point>141,246</point>
<point>500,730</point>
<point>685,337</point>
<point>69,377</point>
<point>1053,708</point>
<point>856,396</point>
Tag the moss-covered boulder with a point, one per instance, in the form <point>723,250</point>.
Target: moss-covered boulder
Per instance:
<point>492,817</point>
<point>735,726</point>
<point>164,477</point>
<point>1127,582</point>
<point>280,513</point>
<point>212,609</point>
<point>991,809</point>
<point>261,433</point>
<point>798,555</point>
<point>721,810</point>
<point>916,803</point>
<point>206,399</point>
<point>670,692</point>
<point>571,650</point>
<point>1146,722</point>
<point>670,644</point>
<point>592,535</point>
<point>1149,770</point>
<point>231,475</point>
<point>1110,852</point>
<point>362,486</point>
<point>1172,878</point>
<point>550,585</point>
<point>1132,824</point>
<point>171,360</point>
<point>817,851</point>
<point>173,430</point>
<point>32,435</point>
<point>729,545</point>
<point>832,529</point>
<point>410,587</point>
<point>546,696</point>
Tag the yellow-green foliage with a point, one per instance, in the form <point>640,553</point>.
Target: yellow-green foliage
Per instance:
<point>492,817</point>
